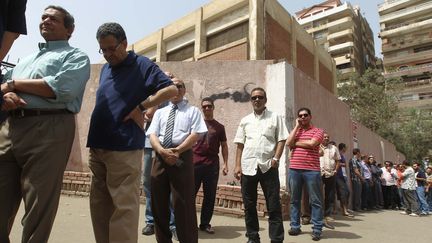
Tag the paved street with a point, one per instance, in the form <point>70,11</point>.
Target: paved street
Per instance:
<point>73,225</point>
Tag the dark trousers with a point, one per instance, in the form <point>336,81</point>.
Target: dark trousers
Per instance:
<point>342,190</point>
<point>329,194</point>
<point>270,185</point>
<point>410,199</point>
<point>367,195</point>
<point>356,194</point>
<point>177,181</point>
<point>208,175</point>
<point>389,201</point>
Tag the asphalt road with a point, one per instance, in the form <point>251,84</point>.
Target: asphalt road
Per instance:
<point>73,225</point>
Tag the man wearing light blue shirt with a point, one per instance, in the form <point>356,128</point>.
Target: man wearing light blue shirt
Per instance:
<point>42,94</point>
<point>173,170</point>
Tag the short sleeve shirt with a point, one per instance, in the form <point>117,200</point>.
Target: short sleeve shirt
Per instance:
<point>259,134</point>
<point>328,160</point>
<point>12,17</point>
<point>206,150</point>
<point>305,158</point>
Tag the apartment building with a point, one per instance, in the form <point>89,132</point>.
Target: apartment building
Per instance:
<point>342,30</point>
<point>240,30</point>
<point>406,33</point>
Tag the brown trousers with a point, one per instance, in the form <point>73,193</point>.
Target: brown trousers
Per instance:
<point>178,181</point>
<point>33,155</point>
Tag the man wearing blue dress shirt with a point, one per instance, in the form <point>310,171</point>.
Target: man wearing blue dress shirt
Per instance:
<point>173,170</point>
<point>42,94</point>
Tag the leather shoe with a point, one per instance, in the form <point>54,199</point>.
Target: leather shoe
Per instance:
<point>253,241</point>
<point>294,232</point>
<point>148,230</point>
<point>208,229</point>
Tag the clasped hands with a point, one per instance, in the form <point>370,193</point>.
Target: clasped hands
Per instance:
<point>12,101</point>
<point>170,155</point>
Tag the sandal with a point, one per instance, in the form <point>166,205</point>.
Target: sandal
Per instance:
<point>348,215</point>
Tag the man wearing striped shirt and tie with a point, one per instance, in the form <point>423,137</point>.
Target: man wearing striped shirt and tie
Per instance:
<point>304,141</point>
<point>173,131</point>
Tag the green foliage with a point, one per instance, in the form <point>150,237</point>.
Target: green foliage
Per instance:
<point>373,101</point>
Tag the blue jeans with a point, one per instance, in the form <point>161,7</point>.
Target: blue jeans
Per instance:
<point>147,191</point>
<point>312,180</point>
<point>429,199</point>
<point>423,205</point>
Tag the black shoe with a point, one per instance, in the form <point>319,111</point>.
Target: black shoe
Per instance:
<point>305,220</point>
<point>174,234</point>
<point>316,236</point>
<point>253,241</point>
<point>294,232</point>
<point>148,230</point>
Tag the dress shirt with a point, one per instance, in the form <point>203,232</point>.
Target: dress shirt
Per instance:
<point>64,68</point>
<point>328,160</point>
<point>388,177</point>
<point>408,181</point>
<point>260,135</point>
<point>188,119</point>
<point>367,174</point>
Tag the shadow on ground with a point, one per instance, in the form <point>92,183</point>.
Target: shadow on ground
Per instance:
<point>224,232</point>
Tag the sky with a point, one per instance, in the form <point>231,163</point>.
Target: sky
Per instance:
<point>140,18</point>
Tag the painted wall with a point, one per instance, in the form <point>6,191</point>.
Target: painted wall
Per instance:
<point>229,83</point>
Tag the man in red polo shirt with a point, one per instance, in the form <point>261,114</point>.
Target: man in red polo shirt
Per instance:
<point>304,141</point>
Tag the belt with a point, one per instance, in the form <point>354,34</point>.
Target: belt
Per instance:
<point>19,113</point>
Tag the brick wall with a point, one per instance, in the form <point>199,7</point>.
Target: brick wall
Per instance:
<point>325,77</point>
<point>239,52</point>
<point>305,60</point>
<point>228,198</point>
<point>278,41</point>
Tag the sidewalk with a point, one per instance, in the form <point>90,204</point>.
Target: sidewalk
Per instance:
<point>73,224</point>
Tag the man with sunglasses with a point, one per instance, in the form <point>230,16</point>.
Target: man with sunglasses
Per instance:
<point>304,141</point>
<point>129,84</point>
<point>173,131</point>
<point>206,162</point>
<point>260,140</point>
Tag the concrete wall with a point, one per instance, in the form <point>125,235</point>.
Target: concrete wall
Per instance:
<point>229,83</point>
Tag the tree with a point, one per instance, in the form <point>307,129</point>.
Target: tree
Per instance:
<point>373,100</point>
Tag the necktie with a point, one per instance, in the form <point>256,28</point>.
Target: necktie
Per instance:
<point>167,142</point>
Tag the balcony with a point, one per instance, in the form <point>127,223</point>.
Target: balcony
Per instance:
<point>337,25</point>
<point>340,36</point>
<point>339,60</point>
<point>410,71</point>
<point>391,5</point>
<point>331,12</point>
<point>418,83</point>
<point>408,58</point>
<point>347,46</point>
<point>405,28</point>
<point>407,42</point>
<point>407,12</point>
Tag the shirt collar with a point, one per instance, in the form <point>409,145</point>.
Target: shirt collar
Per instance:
<point>51,45</point>
<point>180,105</point>
<point>262,114</point>
<point>128,61</point>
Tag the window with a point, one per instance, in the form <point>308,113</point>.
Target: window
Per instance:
<point>227,36</point>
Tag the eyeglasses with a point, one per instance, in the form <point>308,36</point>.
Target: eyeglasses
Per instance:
<point>109,49</point>
<point>207,107</point>
<point>257,97</point>
<point>303,115</point>
<point>180,86</point>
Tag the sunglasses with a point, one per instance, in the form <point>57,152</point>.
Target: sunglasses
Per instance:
<point>257,97</point>
<point>303,115</point>
<point>180,86</point>
<point>207,106</point>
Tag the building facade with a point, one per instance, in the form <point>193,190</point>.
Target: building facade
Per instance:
<point>406,33</point>
<point>240,30</point>
<point>342,30</point>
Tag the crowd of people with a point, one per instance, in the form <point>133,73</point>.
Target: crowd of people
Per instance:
<point>141,112</point>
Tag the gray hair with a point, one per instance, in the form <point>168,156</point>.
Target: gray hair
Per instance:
<point>113,29</point>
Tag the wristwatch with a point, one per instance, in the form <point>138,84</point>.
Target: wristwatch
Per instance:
<point>11,84</point>
<point>275,159</point>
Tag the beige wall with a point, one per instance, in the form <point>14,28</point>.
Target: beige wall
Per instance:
<point>229,83</point>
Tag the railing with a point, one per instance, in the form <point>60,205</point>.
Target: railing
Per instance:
<point>418,83</point>
<point>411,68</point>
<point>387,3</point>
<point>405,10</point>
